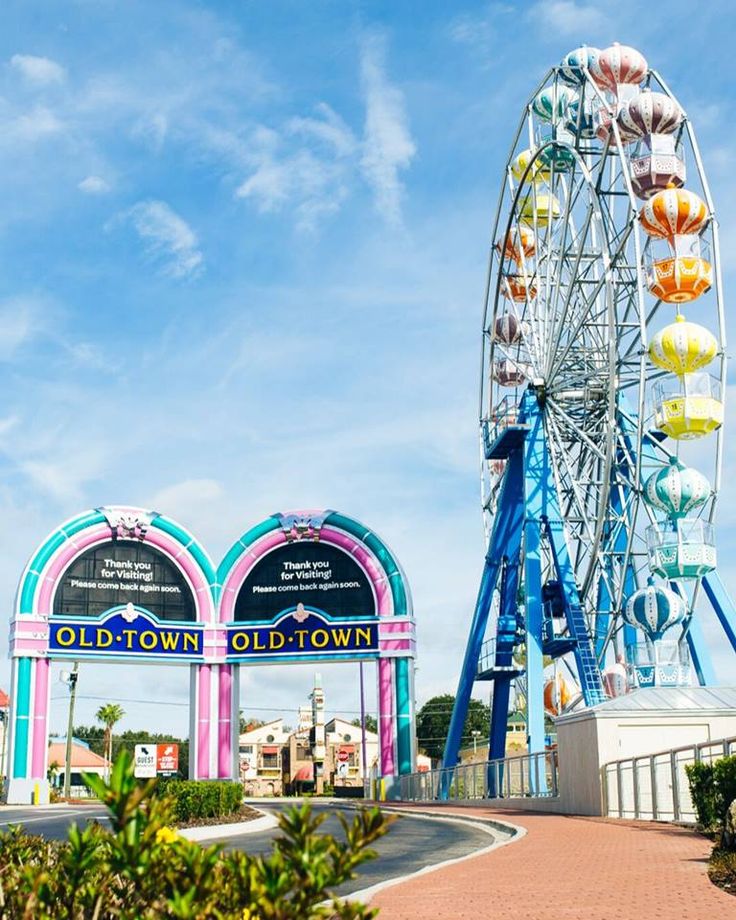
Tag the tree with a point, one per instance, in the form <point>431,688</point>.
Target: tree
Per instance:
<point>109,714</point>
<point>433,723</point>
<point>248,724</point>
<point>371,724</point>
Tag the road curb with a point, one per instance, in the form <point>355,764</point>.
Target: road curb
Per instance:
<point>512,834</point>
<point>234,829</point>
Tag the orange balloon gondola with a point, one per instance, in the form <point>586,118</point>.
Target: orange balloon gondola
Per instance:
<point>681,279</point>
<point>673,212</point>
<point>515,288</point>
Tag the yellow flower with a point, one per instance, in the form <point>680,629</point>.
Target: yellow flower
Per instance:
<point>166,835</point>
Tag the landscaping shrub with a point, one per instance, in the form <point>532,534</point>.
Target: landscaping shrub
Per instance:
<point>142,869</point>
<point>712,789</point>
<point>724,783</point>
<point>702,793</point>
<point>196,799</point>
<point>722,869</point>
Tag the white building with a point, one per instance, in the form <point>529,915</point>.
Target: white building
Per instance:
<point>261,758</point>
<point>344,762</point>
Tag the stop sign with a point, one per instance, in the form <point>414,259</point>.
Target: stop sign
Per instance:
<point>343,756</point>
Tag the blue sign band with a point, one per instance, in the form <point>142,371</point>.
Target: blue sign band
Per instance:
<point>122,634</point>
<point>307,634</point>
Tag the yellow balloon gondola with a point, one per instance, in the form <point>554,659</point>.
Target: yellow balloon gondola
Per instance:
<point>688,408</point>
<point>546,206</point>
<point>683,347</point>
<point>538,173</point>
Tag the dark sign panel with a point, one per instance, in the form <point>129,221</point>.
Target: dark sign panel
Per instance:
<point>120,573</point>
<point>314,575</point>
<point>125,634</point>
<point>301,634</point>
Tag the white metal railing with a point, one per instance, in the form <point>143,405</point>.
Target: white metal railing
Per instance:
<point>655,787</point>
<point>532,775</point>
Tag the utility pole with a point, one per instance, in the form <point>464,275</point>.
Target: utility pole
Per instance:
<point>363,748</point>
<point>4,720</point>
<point>72,681</point>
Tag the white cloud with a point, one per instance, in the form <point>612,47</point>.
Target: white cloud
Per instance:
<point>388,146</point>
<point>168,238</point>
<point>39,70</point>
<point>94,185</point>
<point>38,123</point>
<point>152,130</point>
<point>20,321</point>
<point>7,424</point>
<point>186,500</point>
<point>567,18</point>
<point>314,185</point>
<point>329,128</point>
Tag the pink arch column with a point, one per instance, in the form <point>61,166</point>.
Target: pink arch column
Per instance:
<point>27,747</point>
<point>215,721</point>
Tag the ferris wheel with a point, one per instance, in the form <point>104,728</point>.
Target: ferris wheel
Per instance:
<point>601,400</point>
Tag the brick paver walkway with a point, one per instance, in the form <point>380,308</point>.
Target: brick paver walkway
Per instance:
<point>569,868</point>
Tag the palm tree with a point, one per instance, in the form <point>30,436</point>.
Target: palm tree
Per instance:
<point>109,714</point>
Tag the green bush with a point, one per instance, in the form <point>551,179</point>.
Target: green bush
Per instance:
<point>702,793</point>
<point>142,869</point>
<point>712,789</point>
<point>724,781</point>
<point>196,799</point>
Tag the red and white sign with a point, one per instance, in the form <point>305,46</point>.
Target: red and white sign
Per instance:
<point>167,758</point>
<point>343,756</point>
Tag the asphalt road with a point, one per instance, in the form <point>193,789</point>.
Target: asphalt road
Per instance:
<point>411,843</point>
<point>51,823</point>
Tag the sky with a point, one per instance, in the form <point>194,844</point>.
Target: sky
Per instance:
<point>243,250</point>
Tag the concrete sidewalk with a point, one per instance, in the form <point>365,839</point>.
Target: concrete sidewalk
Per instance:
<point>569,868</point>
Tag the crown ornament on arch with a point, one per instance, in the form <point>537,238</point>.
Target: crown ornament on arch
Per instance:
<point>303,525</point>
<point>128,523</point>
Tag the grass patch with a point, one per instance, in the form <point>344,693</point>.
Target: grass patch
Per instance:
<point>722,869</point>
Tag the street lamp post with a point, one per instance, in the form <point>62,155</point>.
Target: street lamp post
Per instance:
<point>475,734</point>
<point>364,752</point>
<point>71,680</point>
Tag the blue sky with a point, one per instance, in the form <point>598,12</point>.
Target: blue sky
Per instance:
<point>243,249</point>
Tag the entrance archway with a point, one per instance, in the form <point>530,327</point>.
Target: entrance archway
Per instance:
<point>122,584</point>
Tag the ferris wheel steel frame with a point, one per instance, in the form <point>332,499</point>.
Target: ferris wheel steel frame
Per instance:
<point>544,516</point>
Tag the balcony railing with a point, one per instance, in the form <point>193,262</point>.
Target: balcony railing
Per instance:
<point>655,787</point>
<point>529,776</point>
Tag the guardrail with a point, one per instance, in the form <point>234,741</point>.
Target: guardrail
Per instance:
<point>531,775</point>
<point>654,787</point>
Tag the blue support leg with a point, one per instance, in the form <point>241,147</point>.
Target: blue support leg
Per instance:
<point>534,654</point>
<point>506,532</point>
<point>722,605</point>
<point>505,641</point>
<point>538,478</point>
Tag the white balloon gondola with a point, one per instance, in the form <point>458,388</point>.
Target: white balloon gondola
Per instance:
<point>654,610</point>
<point>509,329</point>
<point>510,373</point>
<point>676,489</point>
<point>649,123</point>
<point>575,63</point>
<point>617,71</point>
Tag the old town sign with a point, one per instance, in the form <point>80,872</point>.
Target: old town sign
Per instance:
<point>303,595</point>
